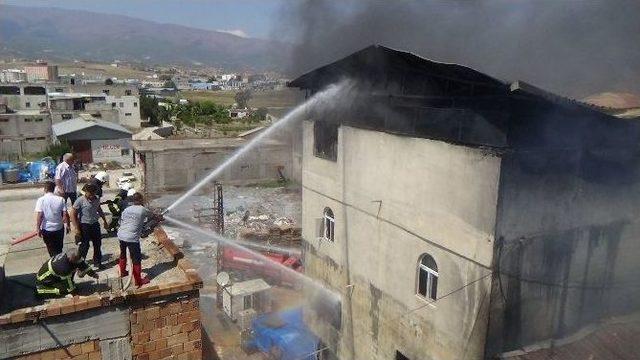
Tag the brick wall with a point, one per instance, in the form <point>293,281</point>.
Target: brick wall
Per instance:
<point>89,350</point>
<point>169,330</point>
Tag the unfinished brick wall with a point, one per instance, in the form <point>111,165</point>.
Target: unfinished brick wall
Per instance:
<point>89,350</point>
<point>169,330</point>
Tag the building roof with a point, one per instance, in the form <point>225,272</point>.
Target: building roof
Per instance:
<point>371,59</point>
<point>252,131</point>
<point>249,287</point>
<point>27,113</point>
<point>84,122</point>
<point>609,341</point>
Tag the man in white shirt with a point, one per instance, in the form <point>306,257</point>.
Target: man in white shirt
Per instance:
<point>51,216</point>
<point>67,178</point>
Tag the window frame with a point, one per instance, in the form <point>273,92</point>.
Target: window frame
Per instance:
<point>325,140</point>
<point>431,290</point>
<point>328,224</point>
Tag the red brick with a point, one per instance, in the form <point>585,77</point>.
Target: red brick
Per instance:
<point>66,306</point>
<point>177,349</point>
<point>95,355</point>
<point>150,346</point>
<point>161,344</point>
<point>81,357</point>
<point>183,318</point>
<point>174,308</point>
<point>19,315</point>
<point>141,337</point>
<point>155,334</point>
<point>165,352</point>
<point>143,356</point>
<point>152,312</point>
<point>5,319</point>
<point>195,355</point>
<point>195,335</point>
<point>183,356</point>
<point>173,320</point>
<point>74,350</point>
<point>53,309</point>
<point>137,349</point>
<point>194,315</point>
<point>88,347</point>
<point>177,339</point>
<point>155,355</point>
<point>133,317</point>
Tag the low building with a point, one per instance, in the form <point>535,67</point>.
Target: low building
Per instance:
<point>24,132</point>
<point>66,106</point>
<point>95,140</point>
<point>41,72</point>
<point>13,76</point>
<point>176,164</point>
<point>24,96</point>
<point>205,86</point>
<point>457,216</point>
<point>104,319</point>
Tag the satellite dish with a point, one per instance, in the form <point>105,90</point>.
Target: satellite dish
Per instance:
<point>223,279</point>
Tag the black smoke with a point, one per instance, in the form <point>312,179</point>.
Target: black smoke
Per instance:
<point>573,47</point>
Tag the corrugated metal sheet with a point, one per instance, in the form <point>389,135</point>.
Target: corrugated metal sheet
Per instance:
<point>78,124</point>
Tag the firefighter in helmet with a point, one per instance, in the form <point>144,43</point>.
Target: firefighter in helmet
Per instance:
<point>55,277</point>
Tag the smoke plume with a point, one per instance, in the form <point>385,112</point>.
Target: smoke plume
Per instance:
<point>575,48</point>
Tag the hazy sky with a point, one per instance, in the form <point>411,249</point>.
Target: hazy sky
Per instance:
<point>248,17</point>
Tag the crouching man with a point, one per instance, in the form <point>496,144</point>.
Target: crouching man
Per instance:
<point>55,277</point>
<point>135,221</point>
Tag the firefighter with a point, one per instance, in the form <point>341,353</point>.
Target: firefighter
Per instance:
<point>55,277</point>
<point>99,180</point>
<point>136,221</point>
<point>117,205</point>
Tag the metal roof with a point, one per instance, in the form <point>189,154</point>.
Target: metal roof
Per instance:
<point>248,287</point>
<point>80,123</point>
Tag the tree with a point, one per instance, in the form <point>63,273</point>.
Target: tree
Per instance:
<point>109,81</point>
<point>243,97</point>
<point>261,113</point>
<point>170,84</point>
<point>149,109</point>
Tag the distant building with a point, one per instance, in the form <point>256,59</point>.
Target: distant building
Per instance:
<point>456,216</point>
<point>41,72</point>
<point>66,106</point>
<point>95,140</point>
<point>176,164</point>
<point>23,132</point>
<point>13,76</point>
<point>24,96</point>
<point>205,86</point>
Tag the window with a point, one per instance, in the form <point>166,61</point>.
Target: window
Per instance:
<point>27,104</point>
<point>127,114</point>
<point>121,104</point>
<point>39,120</point>
<point>35,90</point>
<point>28,120</point>
<point>329,225</point>
<point>113,104</point>
<point>248,302</point>
<point>400,356</point>
<point>4,120</point>
<point>135,104</point>
<point>325,137</point>
<point>66,116</point>
<point>428,277</point>
<point>9,90</point>
<point>124,152</point>
<point>105,91</point>
<point>127,92</point>
<point>59,89</point>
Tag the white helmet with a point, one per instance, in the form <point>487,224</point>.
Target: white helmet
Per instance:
<point>102,176</point>
<point>131,192</point>
<point>125,186</point>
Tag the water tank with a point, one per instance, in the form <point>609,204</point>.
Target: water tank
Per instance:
<point>11,175</point>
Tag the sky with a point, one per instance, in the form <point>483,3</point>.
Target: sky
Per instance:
<point>251,18</point>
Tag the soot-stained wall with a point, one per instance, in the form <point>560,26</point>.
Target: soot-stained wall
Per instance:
<point>567,229</point>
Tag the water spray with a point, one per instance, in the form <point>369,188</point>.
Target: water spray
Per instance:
<point>319,98</point>
<point>299,277</point>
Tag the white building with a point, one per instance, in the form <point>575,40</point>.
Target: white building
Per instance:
<point>13,76</point>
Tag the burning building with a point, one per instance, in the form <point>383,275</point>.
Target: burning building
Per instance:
<point>463,217</point>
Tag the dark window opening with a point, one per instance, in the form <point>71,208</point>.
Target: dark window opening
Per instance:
<point>127,114</point>
<point>34,90</point>
<point>105,91</point>
<point>325,137</point>
<point>400,356</point>
<point>39,120</point>
<point>59,89</point>
<point>9,90</point>
<point>135,104</point>
<point>66,116</point>
<point>28,120</point>
<point>428,278</point>
<point>27,104</point>
<point>329,225</point>
<point>127,92</point>
<point>124,152</point>
<point>113,104</point>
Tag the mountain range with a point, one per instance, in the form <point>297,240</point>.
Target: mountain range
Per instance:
<point>57,34</point>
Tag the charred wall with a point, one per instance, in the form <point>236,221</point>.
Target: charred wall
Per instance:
<point>566,227</point>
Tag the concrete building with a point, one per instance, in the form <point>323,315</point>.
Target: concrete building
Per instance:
<point>24,96</point>
<point>122,99</point>
<point>176,164</point>
<point>13,76</point>
<point>65,106</point>
<point>95,140</point>
<point>41,72</point>
<point>23,132</point>
<point>104,319</point>
<point>461,217</point>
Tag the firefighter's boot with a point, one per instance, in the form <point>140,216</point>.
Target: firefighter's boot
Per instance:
<point>137,276</point>
<point>122,263</point>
